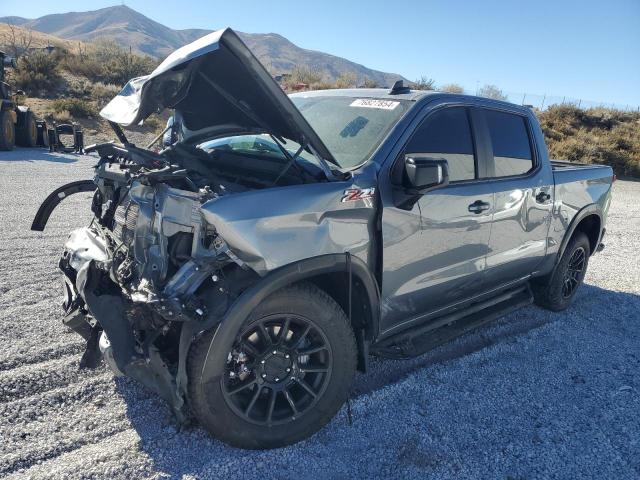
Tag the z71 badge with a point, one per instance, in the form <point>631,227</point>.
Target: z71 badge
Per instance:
<point>353,194</point>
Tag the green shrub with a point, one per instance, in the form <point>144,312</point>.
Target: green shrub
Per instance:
<point>37,74</point>
<point>106,62</point>
<point>76,107</point>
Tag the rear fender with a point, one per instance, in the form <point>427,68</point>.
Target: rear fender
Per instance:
<point>54,199</point>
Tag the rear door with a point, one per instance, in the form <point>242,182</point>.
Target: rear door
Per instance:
<point>435,249</point>
<point>523,187</point>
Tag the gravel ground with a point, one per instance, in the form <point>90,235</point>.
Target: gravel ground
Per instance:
<point>534,395</point>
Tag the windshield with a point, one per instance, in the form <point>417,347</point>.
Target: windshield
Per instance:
<point>351,128</point>
<point>261,145</point>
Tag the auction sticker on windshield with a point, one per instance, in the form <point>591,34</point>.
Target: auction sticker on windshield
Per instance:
<point>374,103</point>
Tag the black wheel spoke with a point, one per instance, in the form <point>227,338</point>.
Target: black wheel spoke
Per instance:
<point>282,334</point>
<point>292,404</point>
<point>250,347</point>
<point>311,350</point>
<point>306,386</point>
<point>302,336</point>
<point>265,335</point>
<point>241,387</point>
<point>253,400</point>
<point>313,369</point>
<point>272,403</point>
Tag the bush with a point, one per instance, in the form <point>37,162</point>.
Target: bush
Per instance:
<point>452,88</point>
<point>106,62</point>
<point>346,80</point>
<point>491,91</point>
<point>596,135</point>
<point>76,107</point>
<point>424,83</point>
<point>62,116</point>
<point>104,93</point>
<point>37,74</point>
<point>304,75</point>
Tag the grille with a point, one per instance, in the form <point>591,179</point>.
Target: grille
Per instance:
<point>124,221</point>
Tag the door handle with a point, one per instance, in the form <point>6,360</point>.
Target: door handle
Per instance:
<point>478,206</point>
<point>542,197</point>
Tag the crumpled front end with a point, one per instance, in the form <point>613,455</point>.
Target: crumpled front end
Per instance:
<point>146,273</point>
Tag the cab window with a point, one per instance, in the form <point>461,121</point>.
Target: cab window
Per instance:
<point>446,134</point>
<point>511,144</point>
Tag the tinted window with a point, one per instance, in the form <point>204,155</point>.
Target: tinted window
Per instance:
<point>447,134</point>
<point>510,140</point>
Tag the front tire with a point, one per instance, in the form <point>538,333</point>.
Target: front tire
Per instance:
<point>288,373</point>
<point>556,292</point>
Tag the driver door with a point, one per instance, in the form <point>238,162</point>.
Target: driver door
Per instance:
<point>435,250</point>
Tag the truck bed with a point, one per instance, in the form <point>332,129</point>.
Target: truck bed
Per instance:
<point>565,172</point>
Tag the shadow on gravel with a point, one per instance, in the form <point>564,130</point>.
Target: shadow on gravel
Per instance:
<point>190,451</point>
<point>34,155</point>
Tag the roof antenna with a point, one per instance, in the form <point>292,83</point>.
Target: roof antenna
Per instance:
<point>399,88</point>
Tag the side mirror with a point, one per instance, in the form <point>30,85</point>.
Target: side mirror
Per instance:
<point>422,173</point>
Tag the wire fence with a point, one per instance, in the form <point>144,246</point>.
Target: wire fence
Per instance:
<point>543,101</point>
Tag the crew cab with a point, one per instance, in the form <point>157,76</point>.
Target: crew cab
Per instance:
<point>247,270</point>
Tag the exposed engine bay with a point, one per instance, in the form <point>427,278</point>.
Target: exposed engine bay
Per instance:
<point>149,261</point>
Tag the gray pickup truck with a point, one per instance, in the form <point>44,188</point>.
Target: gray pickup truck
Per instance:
<point>246,271</point>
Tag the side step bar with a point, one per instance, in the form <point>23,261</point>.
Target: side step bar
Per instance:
<point>439,331</point>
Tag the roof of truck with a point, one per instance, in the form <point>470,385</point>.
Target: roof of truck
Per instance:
<point>411,95</point>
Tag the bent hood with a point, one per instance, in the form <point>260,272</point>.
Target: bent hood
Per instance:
<point>215,83</point>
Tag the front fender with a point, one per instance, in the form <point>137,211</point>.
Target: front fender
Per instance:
<point>235,317</point>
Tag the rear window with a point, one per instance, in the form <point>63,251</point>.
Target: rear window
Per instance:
<point>511,144</point>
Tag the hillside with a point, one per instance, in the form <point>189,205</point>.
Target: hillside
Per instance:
<point>39,39</point>
<point>129,28</point>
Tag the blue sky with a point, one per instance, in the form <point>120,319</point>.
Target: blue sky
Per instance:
<point>581,49</point>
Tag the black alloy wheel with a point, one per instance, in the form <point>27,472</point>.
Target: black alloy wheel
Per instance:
<point>574,272</point>
<point>278,368</point>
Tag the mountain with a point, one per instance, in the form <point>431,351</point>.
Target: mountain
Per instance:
<point>129,28</point>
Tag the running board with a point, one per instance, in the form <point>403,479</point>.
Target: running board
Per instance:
<point>420,340</point>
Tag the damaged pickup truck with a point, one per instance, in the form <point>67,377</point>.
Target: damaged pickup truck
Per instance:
<point>248,269</point>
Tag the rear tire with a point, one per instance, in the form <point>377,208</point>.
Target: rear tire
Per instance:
<point>255,417</point>
<point>7,131</point>
<point>556,292</point>
<point>27,134</point>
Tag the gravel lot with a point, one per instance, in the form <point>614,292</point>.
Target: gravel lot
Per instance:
<point>535,395</point>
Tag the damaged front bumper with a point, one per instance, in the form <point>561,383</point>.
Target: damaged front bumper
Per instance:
<point>97,309</point>
<point>141,329</point>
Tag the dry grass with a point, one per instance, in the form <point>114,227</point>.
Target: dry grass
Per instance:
<point>596,135</point>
